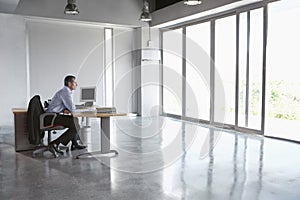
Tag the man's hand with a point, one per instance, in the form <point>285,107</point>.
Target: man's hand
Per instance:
<point>67,111</point>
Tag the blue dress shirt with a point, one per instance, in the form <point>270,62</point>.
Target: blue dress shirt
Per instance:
<point>62,100</point>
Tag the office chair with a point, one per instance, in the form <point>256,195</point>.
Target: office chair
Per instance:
<point>39,122</point>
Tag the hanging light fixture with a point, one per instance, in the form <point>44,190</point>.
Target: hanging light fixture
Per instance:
<point>150,53</point>
<point>146,15</point>
<point>71,8</point>
<point>192,2</point>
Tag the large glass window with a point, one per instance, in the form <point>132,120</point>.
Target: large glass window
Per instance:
<point>109,79</point>
<point>282,103</point>
<point>255,68</point>
<point>225,59</point>
<point>250,68</point>
<point>198,71</point>
<point>283,83</point>
<point>243,62</point>
<point>172,72</point>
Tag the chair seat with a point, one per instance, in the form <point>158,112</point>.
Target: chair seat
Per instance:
<point>52,128</point>
<point>36,119</point>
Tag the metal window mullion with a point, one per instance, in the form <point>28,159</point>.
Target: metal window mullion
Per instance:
<point>264,68</point>
<point>104,69</point>
<point>247,71</point>
<point>183,106</point>
<point>212,71</point>
<point>161,74</point>
<point>237,70</point>
<point>113,66</point>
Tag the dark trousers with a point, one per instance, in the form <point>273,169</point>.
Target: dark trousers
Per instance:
<point>76,138</point>
<point>72,124</point>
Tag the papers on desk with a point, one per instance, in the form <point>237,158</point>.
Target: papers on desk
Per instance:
<point>106,110</point>
<point>81,110</point>
<point>96,110</point>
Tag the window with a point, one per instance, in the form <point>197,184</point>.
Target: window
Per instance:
<point>172,72</point>
<point>108,70</point>
<point>198,71</point>
<point>225,59</point>
<point>282,103</point>
<point>283,83</point>
<point>250,68</point>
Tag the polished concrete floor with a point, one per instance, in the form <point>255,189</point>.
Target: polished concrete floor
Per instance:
<point>159,158</point>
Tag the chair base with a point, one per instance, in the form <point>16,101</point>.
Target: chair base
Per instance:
<point>43,149</point>
<point>110,153</point>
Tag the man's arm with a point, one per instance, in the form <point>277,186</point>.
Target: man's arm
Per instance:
<point>67,100</point>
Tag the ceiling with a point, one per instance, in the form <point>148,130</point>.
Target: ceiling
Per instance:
<point>8,6</point>
<point>159,4</point>
<point>118,12</point>
<point>108,12</point>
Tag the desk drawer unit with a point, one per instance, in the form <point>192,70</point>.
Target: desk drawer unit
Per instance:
<point>21,133</point>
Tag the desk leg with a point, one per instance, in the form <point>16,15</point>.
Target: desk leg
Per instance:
<point>85,130</point>
<point>105,140</point>
<point>87,122</point>
<point>105,134</point>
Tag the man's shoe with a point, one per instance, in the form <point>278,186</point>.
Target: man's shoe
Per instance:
<point>57,149</point>
<point>77,147</point>
<point>51,148</point>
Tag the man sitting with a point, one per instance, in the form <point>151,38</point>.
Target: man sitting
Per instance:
<point>62,102</point>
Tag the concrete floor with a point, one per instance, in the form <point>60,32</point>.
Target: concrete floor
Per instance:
<point>159,158</point>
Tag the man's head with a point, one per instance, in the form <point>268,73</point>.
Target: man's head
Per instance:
<point>70,82</point>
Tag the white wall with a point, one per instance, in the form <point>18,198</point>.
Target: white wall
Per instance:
<point>57,49</point>
<point>150,77</point>
<point>124,88</point>
<point>12,66</point>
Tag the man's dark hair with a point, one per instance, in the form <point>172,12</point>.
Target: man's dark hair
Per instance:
<point>68,79</point>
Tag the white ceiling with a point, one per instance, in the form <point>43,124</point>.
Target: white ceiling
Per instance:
<point>115,12</point>
<point>8,6</point>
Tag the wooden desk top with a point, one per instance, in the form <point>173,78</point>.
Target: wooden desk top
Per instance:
<point>97,115</point>
<point>19,110</point>
<point>78,114</point>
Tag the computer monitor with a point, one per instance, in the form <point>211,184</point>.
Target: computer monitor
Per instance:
<point>88,95</point>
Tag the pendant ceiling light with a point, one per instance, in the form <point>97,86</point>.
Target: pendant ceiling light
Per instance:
<point>146,15</point>
<point>71,8</point>
<point>192,2</point>
<point>150,53</point>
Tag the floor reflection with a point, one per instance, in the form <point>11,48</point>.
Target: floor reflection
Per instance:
<point>183,157</point>
<point>172,159</point>
<point>211,162</point>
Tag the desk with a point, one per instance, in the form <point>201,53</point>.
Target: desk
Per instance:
<point>21,133</point>
<point>104,131</point>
